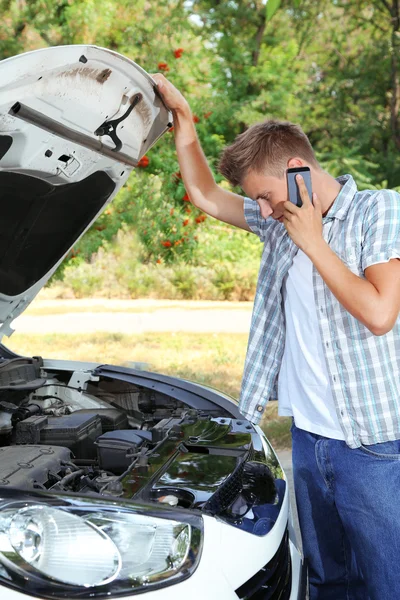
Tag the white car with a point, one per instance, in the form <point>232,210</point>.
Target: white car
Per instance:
<point>114,482</point>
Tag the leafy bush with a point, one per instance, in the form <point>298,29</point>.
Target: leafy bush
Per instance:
<point>117,271</point>
<point>224,280</point>
<point>184,281</point>
<point>82,279</point>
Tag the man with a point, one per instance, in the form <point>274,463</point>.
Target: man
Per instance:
<point>325,336</point>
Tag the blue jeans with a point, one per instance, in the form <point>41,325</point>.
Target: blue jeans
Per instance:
<point>349,511</point>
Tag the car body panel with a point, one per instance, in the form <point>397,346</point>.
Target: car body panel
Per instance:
<point>193,394</point>
<point>221,571</point>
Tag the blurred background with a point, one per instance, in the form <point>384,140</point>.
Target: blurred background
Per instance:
<point>331,66</point>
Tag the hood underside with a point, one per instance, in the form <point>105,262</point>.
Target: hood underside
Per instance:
<point>74,122</point>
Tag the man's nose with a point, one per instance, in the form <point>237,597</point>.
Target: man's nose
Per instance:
<point>266,210</point>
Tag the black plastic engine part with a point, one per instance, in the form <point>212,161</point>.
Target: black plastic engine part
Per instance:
<point>161,429</point>
<point>201,456</point>
<point>112,419</point>
<point>115,448</point>
<point>24,412</point>
<point>227,492</point>
<point>28,467</point>
<point>21,374</point>
<point>28,431</point>
<point>258,482</point>
<point>76,432</point>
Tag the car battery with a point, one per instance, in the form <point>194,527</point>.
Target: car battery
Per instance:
<point>76,431</point>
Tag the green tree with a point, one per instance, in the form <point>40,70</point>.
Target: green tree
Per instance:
<point>332,66</point>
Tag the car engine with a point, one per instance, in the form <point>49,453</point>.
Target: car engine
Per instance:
<point>105,437</point>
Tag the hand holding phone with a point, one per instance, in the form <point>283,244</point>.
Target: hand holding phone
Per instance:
<point>293,188</point>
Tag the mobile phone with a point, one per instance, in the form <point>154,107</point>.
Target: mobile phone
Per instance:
<point>293,188</point>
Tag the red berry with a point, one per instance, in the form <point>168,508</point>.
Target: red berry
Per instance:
<point>144,162</point>
<point>177,176</point>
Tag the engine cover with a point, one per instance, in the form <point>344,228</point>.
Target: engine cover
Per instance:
<point>27,467</point>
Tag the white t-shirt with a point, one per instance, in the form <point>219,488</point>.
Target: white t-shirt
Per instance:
<point>304,390</point>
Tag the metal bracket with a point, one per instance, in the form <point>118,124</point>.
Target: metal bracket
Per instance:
<point>80,379</point>
<point>20,111</point>
<point>110,127</point>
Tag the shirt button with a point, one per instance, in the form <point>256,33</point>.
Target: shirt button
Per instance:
<point>260,408</point>
<point>334,378</point>
<point>327,344</point>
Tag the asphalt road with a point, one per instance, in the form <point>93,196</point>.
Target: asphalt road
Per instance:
<point>285,458</point>
<point>134,317</point>
<point>198,321</point>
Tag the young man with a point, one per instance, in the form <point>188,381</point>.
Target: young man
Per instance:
<point>325,336</point>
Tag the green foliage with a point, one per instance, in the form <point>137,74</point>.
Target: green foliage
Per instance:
<point>117,270</point>
<point>224,280</point>
<point>184,280</point>
<point>83,279</point>
<point>219,243</point>
<point>331,66</point>
<point>272,7</point>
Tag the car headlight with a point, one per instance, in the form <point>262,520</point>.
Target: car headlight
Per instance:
<point>68,547</point>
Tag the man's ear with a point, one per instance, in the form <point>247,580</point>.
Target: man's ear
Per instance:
<point>295,162</point>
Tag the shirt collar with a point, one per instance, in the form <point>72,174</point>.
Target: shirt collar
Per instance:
<point>342,201</point>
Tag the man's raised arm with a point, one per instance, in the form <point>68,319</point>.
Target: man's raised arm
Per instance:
<point>199,182</point>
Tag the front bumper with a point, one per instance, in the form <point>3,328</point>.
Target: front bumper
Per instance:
<point>234,565</point>
<point>207,582</point>
<point>223,571</point>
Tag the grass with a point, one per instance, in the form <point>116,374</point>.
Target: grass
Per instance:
<point>212,359</point>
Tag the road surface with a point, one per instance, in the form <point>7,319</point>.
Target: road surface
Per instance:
<point>134,317</point>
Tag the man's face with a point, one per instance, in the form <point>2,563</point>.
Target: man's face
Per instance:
<point>269,192</point>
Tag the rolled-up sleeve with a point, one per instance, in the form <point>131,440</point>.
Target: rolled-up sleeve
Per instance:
<point>381,240</point>
<point>255,221</point>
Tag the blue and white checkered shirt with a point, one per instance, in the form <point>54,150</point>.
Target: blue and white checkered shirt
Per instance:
<point>363,229</point>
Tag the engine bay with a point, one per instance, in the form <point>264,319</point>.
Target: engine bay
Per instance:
<point>82,433</point>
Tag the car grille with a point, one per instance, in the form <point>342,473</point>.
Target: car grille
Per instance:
<point>273,581</point>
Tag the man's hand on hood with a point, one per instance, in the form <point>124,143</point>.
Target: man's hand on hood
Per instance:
<point>170,94</point>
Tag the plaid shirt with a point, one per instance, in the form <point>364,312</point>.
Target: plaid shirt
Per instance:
<point>363,229</point>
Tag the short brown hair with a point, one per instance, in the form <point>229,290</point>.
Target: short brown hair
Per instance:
<point>267,147</point>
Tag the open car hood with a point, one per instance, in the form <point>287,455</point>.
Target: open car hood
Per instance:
<point>74,122</point>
